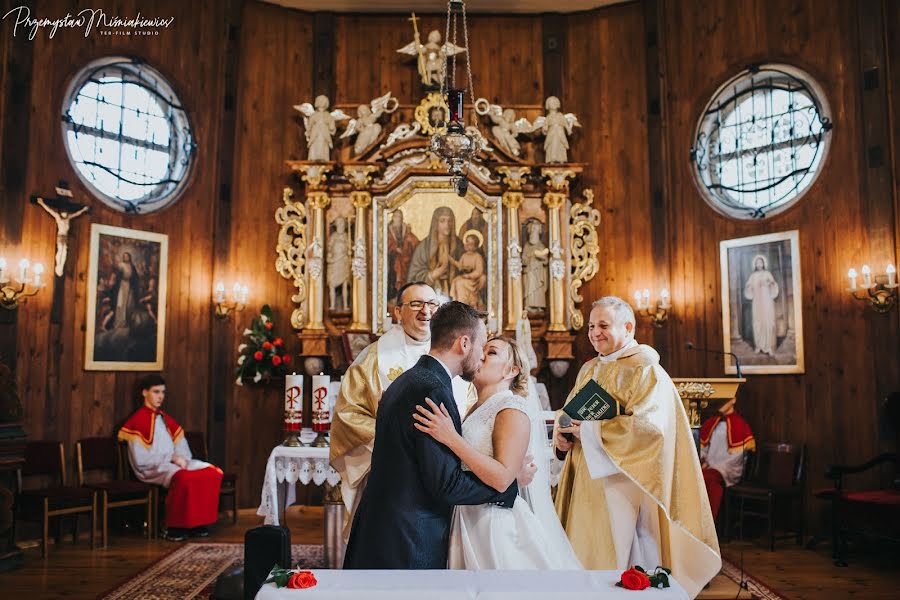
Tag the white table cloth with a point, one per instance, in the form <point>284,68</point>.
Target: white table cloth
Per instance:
<point>285,467</point>
<point>469,585</point>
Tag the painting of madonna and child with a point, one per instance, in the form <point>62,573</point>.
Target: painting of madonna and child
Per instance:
<point>761,316</point>
<point>126,300</point>
<point>446,244</point>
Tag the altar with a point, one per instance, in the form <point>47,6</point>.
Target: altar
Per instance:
<point>469,585</point>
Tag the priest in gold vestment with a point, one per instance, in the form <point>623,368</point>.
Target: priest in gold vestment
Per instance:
<point>631,489</point>
<point>353,424</point>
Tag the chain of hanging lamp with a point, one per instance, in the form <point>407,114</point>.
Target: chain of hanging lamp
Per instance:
<point>454,144</point>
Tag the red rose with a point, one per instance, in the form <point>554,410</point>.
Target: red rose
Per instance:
<point>268,324</point>
<point>286,359</point>
<point>301,580</point>
<point>278,341</point>
<point>276,360</point>
<point>258,355</point>
<point>267,345</point>
<point>632,579</point>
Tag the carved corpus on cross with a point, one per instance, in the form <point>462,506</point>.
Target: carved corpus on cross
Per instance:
<point>63,209</point>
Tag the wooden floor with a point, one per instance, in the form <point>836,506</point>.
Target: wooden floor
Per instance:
<point>76,572</point>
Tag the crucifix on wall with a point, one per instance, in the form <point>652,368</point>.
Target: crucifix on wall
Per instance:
<point>63,209</point>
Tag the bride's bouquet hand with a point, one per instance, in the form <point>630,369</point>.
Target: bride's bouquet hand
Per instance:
<point>436,422</point>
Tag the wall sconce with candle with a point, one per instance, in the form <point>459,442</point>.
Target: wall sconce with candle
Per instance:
<point>11,294</point>
<point>879,290</point>
<point>659,314</point>
<point>224,307</point>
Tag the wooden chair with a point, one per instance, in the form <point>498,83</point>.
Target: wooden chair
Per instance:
<point>101,454</point>
<point>197,441</point>
<point>47,458</point>
<point>156,491</point>
<point>777,476</point>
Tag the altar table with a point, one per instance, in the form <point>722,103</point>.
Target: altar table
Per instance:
<point>469,585</point>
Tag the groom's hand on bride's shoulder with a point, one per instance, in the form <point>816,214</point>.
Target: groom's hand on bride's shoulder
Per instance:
<point>526,473</point>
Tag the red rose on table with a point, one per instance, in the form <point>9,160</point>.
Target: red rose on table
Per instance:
<point>286,358</point>
<point>258,355</point>
<point>267,345</point>
<point>632,579</point>
<point>268,324</point>
<point>276,360</point>
<point>301,580</point>
<point>278,341</point>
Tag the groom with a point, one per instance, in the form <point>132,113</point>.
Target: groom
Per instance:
<point>403,519</point>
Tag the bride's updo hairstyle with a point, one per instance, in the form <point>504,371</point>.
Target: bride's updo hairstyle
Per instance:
<point>519,384</point>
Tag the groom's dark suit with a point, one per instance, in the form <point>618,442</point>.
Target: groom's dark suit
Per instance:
<point>403,519</point>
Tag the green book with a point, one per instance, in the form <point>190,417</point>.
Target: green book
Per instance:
<point>593,403</point>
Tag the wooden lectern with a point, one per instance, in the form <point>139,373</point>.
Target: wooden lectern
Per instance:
<point>697,392</point>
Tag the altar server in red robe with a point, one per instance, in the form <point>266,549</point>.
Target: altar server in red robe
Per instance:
<point>160,455</point>
<point>724,440</point>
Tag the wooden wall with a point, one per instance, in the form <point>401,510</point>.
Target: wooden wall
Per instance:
<point>637,75</point>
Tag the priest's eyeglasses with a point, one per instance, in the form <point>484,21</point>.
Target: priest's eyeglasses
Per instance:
<point>420,304</point>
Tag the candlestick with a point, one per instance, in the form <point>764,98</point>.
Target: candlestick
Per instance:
<point>293,408</point>
<point>219,293</point>
<point>23,270</point>
<point>867,276</point>
<point>891,274</point>
<point>38,271</point>
<point>236,293</point>
<point>851,274</point>
<point>637,299</point>
<point>245,294</point>
<point>3,278</point>
<point>664,298</point>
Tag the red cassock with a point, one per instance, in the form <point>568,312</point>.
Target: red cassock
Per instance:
<point>193,495</point>
<point>740,439</point>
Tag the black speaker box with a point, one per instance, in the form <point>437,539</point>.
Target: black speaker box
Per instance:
<point>264,547</point>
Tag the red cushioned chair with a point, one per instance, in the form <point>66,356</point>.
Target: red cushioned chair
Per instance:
<point>48,459</point>
<point>197,442</point>
<point>102,454</point>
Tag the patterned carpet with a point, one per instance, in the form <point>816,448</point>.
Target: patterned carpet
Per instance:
<point>190,572</point>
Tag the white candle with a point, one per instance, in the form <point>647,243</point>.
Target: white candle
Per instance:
<point>646,299</point>
<point>38,271</point>
<point>236,293</point>
<point>23,270</point>
<point>321,414</point>
<point>492,323</point>
<point>664,298</point>
<point>867,276</point>
<point>387,323</point>
<point>892,274</point>
<point>219,293</point>
<point>245,294</point>
<point>3,278</point>
<point>851,274</point>
<point>293,392</point>
<point>637,300</point>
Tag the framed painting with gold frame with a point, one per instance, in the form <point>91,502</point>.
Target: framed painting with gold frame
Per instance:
<point>126,299</point>
<point>423,231</point>
<point>762,320</point>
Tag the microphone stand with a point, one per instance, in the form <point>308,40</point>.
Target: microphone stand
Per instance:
<point>737,361</point>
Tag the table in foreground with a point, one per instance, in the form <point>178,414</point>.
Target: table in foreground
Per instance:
<point>469,585</point>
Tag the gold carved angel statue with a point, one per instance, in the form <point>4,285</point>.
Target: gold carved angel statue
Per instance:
<point>431,56</point>
<point>365,126</point>
<point>320,127</point>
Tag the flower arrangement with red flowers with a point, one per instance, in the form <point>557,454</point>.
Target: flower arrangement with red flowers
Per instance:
<point>262,355</point>
<point>636,578</point>
<point>295,579</point>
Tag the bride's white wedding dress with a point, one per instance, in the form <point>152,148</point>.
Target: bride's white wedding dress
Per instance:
<point>491,537</point>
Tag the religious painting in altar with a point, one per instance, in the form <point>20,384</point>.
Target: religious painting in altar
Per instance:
<point>126,303</point>
<point>761,304</point>
<point>449,242</point>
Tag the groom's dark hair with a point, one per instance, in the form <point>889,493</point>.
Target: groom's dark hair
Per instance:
<point>452,320</point>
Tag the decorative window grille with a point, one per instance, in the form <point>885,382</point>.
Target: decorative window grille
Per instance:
<point>761,141</point>
<point>127,134</point>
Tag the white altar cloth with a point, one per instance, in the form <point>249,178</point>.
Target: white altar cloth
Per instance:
<point>469,585</point>
<point>288,465</point>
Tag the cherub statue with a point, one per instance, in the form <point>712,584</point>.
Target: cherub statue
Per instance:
<point>338,264</point>
<point>63,220</point>
<point>506,127</point>
<point>320,126</point>
<point>556,126</point>
<point>365,126</point>
<point>431,56</point>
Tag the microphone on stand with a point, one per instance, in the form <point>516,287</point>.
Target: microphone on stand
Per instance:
<point>737,362</point>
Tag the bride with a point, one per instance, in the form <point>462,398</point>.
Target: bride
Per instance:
<point>496,435</point>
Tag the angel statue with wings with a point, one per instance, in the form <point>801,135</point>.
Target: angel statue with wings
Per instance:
<point>431,56</point>
<point>556,127</point>
<point>365,126</point>
<point>320,126</point>
<point>506,127</point>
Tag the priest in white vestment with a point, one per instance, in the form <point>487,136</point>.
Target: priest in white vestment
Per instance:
<point>631,490</point>
<point>353,424</point>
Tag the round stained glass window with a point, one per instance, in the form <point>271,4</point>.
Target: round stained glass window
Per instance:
<point>127,134</point>
<point>761,141</point>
